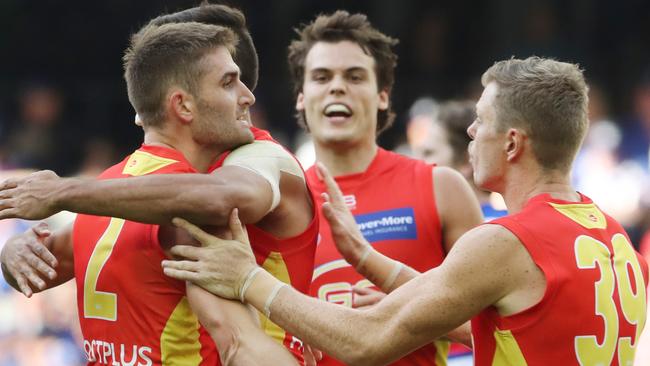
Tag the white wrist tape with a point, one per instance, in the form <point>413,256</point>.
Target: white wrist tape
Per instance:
<point>272,296</point>
<point>364,257</point>
<point>397,268</point>
<point>247,283</point>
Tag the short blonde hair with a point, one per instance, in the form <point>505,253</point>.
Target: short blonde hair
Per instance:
<point>546,98</point>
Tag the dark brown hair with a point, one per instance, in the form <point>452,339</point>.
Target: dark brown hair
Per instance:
<point>216,14</point>
<point>455,117</point>
<point>343,26</point>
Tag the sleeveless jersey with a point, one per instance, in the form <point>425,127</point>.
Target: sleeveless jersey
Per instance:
<point>593,309</point>
<point>394,206</point>
<point>290,260</point>
<point>130,312</point>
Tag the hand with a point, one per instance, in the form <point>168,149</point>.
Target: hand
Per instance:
<point>345,232</point>
<point>311,355</point>
<point>365,296</point>
<point>27,257</point>
<point>219,266</point>
<point>29,197</point>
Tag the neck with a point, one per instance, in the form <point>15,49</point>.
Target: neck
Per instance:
<point>200,157</point>
<point>346,160</point>
<point>526,186</point>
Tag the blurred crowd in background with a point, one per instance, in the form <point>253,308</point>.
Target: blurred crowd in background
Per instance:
<point>63,103</point>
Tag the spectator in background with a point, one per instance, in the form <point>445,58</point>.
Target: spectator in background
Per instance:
<point>39,138</point>
<point>636,130</point>
<point>440,137</point>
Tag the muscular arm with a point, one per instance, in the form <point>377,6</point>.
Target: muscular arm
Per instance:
<point>236,331</point>
<point>207,199</point>
<point>38,260</point>
<point>480,272</point>
<point>457,206</point>
<point>487,266</point>
<point>249,180</point>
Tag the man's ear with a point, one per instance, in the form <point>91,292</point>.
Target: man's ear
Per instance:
<point>383,100</point>
<point>300,102</point>
<point>515,143</point>
<point>182,106</point>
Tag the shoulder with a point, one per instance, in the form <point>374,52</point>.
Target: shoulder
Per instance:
<point>488,237</point>
<point>258,149</point>
<point>447,177</point>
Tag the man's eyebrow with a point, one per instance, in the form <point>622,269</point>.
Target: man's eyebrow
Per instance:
<point>230,74</point>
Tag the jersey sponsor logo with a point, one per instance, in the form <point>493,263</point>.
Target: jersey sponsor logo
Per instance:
<point>116,354</point>
<point>392,224</point>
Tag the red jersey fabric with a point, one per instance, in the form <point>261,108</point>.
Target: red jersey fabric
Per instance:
<point>290,260</point>
<point>130,312</point>
<point>394,206</point>
<point>594,305</point>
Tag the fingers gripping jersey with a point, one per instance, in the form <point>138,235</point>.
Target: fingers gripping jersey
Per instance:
<point>290,260</point>
<point>593,309</point>
<point>130,312</point>
<point>394,206</point>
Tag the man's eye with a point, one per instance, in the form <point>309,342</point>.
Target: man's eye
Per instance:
<point>356,77</point>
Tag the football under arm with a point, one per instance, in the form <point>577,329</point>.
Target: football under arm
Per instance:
<point>475,275</point>
<point>236,331</point>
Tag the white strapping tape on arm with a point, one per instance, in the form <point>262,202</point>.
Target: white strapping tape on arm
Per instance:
<point>269,160</point>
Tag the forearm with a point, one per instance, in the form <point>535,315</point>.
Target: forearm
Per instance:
<point>152,199</point>
<point>235,329</point>
<point>384,272</point>
<point>354,337</point>
<point>378,269</point>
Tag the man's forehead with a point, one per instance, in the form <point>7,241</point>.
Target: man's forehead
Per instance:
<point>221,61</point>
<point>338,55</point>
<point>487,98</point>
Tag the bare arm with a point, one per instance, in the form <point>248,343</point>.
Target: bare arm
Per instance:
<point>202,198</point>
<point>458,209</point>
<point>485,268</point>
<point>38,259</point>
<point>236,331</point>
<point>457,205</point>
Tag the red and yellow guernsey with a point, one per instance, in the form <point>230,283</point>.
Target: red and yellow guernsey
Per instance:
<point>593,309</point>
<point>394,206</point>
<point>130,312</point>
<point>291,260</point>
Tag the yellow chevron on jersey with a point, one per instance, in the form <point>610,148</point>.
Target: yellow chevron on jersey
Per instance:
<point>274,264</point>
<point>507,351</point>
<point>585,214</point>
<point>179,341</point>
<point>141,163</point>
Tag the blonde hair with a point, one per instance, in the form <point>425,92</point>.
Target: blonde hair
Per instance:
<point>546,98</point>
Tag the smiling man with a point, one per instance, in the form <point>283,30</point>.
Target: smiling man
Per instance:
<point>343,75</point>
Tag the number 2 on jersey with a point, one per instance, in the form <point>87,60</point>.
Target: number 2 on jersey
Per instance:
<point>590,252</point>
<point>98,304</point>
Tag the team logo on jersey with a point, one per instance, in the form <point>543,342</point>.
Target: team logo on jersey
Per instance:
<point>350,201</point>
<point>392,224</point>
